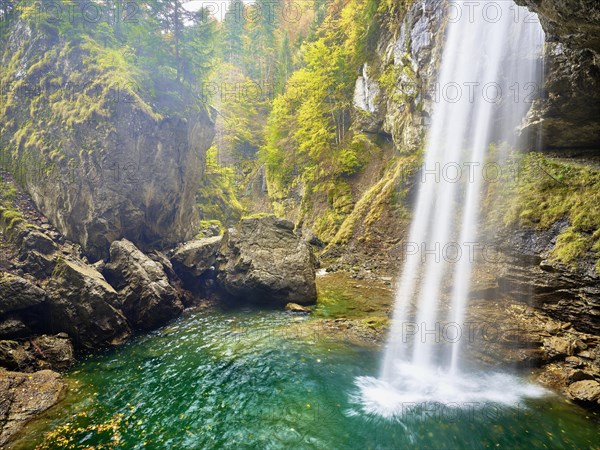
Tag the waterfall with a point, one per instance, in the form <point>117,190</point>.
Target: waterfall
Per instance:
<point>489,69</point>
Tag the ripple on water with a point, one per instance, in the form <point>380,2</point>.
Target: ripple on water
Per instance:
<point>231,380</point>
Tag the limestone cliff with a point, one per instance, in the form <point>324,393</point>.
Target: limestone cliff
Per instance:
<point>102,158</point>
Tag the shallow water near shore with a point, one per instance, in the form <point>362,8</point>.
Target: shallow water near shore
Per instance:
<point>247,379</point>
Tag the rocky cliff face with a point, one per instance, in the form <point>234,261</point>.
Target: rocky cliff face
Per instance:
<point>93,149</point>
<point>414,48</point>
<point>569,112</point>
<point>529,273</point>
<point>392,104</point>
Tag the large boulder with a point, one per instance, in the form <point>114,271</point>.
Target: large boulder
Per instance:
<point>24,396</point>
<point>148,299</point>
<point>267,263</point>
<point>194,258</point>
<point>585,391</point>
<point>85,306</point>
<point>17,293</point>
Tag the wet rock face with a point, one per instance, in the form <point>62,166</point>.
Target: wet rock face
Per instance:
<point>569,113</point>
<point>566,294</point>
<point>85,306</point>
<point>148,299</point>
<point>267,263</point>
<point>141,185</point>
<point>24,396</point>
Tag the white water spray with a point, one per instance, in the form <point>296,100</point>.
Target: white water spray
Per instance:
<point>489,71</point>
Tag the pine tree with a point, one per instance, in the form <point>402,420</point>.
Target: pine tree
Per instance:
<point>172,18</point>
<point>284,63</point>
<point>232,33</point>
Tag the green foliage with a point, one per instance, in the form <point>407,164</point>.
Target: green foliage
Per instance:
<point>205,224</point>
<point>11,219</point>
<point>242,108</point>
<point>308,127</point>
<point>284,64</point>
<point>399,82</point>
<point>232,36</point>
<point>543,190</point>
<point>217,195</point>
<point>310,143</point>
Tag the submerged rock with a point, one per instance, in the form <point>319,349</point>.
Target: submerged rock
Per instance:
<point>23,396</point>
<point>296,308</point>
<point>148,299</point>
<point>85,306</point>
<point>267,263</point>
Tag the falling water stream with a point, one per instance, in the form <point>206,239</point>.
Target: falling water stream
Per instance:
<point>489,61</point>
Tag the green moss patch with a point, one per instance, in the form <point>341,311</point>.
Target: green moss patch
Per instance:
<point>539,191</point>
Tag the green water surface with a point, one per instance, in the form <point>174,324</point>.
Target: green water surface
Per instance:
<point>245,379</point>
